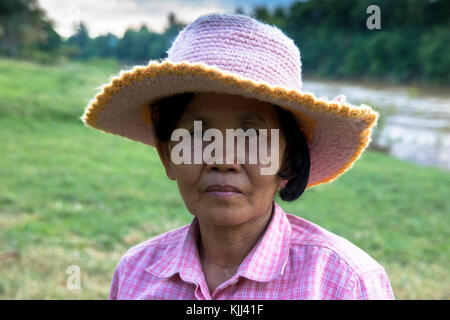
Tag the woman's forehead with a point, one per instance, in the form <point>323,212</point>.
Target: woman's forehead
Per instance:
<point>224,107</point>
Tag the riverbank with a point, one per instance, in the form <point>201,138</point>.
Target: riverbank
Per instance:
<point>414,123</point>
<point>415,88</point>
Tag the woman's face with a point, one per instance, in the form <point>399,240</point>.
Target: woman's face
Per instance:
<point>223,111</point>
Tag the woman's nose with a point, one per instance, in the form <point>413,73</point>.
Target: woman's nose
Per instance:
<point>223,163</point>
<point>224,167</point>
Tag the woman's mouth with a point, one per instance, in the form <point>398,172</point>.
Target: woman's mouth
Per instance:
<point>223,191</point>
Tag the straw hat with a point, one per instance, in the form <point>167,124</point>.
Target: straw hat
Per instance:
<point>236,54</point>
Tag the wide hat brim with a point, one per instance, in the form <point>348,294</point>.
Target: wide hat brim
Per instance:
<point>337,132</point>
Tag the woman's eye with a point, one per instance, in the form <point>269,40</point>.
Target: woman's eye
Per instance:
<point>256,132</point>
<point>192,132</point>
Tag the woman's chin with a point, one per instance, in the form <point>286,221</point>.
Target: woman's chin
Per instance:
<point>221,215</point>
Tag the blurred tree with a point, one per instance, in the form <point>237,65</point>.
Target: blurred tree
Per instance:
<point>104,46</point>
<point>126,46</point>
<point>81,41</point>
<point>158,46</point>
<point>261,13</point>
<point>239,10</point>
<point>413,42</point>
<point>433,53</point>
<point>172,30</point>
<point>24,28</point>
<point>140,46</point>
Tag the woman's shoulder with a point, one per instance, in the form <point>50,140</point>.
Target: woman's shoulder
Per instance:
<point>316,240</point>
<point>158,244</point>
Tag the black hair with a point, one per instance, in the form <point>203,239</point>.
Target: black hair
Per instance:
<point>166,112</point>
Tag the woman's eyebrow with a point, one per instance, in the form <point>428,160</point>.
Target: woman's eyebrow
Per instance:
<point>248,116</point>
<point>195,117</point>
<point>252,116</point>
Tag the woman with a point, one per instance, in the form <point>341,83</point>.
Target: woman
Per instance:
<point>234,72</point>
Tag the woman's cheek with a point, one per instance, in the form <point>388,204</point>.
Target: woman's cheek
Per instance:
<point>187,175</point>
<point>257,179</point>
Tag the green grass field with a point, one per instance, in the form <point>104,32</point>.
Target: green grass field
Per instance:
<point>72,195</point>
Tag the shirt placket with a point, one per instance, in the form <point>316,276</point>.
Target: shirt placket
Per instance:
<point>220,290</point>
<point>201,291</point>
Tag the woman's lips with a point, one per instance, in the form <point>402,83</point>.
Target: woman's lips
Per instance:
<point>223,194</point>
<point>223,191</point>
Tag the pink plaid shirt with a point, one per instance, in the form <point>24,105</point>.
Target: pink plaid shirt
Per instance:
<point>294,259</point>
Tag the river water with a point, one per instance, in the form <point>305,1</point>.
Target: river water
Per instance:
<point>414,123</point>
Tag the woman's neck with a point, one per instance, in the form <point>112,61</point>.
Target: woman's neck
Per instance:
<point>226,246</point>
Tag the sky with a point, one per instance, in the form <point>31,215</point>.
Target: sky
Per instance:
<point>115,16</point>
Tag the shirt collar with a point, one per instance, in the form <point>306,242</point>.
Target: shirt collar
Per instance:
<point>269,256</point>
<point>181,257</point>
<point>265,261</point>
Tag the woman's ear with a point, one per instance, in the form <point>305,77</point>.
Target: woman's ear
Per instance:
<point>283,183</point>
<point>164,155</point>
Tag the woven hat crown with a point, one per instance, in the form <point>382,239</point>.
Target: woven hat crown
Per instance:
<point>242,46</point>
